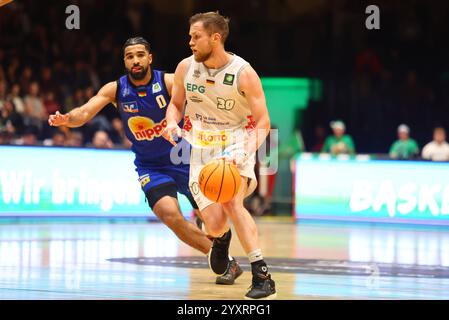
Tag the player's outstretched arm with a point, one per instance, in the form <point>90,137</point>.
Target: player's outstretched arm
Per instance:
<point>175,109</point>
<point>251,86</point>
<point>79,116</point>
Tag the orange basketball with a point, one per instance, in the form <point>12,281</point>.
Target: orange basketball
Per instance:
<point>219,180</point>
<point>5,2</point>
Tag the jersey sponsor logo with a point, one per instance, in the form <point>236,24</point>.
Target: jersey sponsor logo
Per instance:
<point>144,180</point>
<point>145,128</point>
<point>228,79</point>
<point>195,99</point>
<point>196,73</point>
<point>211,138</point>
<point>187,124</point>
<point>250,123</point>
<point>195,188</point>
<point>130,107</point>
<point>210,120</point>
<point>125,92</point>
<point>225,104</point>
<point>156,87</point>
<point>191,87</point>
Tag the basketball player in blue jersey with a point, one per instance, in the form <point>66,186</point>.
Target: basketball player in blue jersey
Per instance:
<point>141,97</point>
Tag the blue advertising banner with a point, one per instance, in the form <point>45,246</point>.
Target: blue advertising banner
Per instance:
<point>372,190</point>
<point>67,182</point>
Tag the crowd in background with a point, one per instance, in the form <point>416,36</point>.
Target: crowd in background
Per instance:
<point>375,80</point>
<point>404,148</point>
<point>372,80</point>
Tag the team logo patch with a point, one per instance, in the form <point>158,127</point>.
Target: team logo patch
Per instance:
<point>144,180</point>
<point>130,107</point>
<point>156,87</point>
<point>228,79</point>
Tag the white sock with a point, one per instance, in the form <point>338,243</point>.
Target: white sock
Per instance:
<point>255,255</point>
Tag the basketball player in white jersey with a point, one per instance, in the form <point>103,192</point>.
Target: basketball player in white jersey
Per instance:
<point>224,99</point>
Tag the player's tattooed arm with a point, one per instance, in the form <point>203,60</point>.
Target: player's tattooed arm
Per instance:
<point>251,87</point>
<point>79,116</point>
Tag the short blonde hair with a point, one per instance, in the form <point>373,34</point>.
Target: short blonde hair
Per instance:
<point>213,22</point>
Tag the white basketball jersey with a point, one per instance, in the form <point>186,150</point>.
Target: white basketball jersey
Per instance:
<point>217,115</point>
<point>215,103</point>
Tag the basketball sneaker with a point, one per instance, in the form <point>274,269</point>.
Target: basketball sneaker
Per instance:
<point>233,272</point>
<point>218,256</point>
<point>262,287</point>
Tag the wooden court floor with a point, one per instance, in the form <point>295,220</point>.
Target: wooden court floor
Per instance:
<point>146,261</point>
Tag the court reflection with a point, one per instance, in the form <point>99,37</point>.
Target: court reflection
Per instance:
<point>108,261</point>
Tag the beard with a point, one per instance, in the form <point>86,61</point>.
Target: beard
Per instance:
<point>138,75</point>
<point>201,57</point>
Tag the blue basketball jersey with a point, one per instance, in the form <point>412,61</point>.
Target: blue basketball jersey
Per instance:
<point>142,110</point>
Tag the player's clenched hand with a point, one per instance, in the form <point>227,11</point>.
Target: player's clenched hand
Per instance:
<point>172,129</point>
<point>58,119</point>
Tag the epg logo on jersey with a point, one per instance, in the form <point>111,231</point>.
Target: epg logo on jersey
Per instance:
<point>193,87</point>
<point>145,129</point>
<point>130,107</point>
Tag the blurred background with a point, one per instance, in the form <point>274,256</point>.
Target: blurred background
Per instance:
<point>349,88</point>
